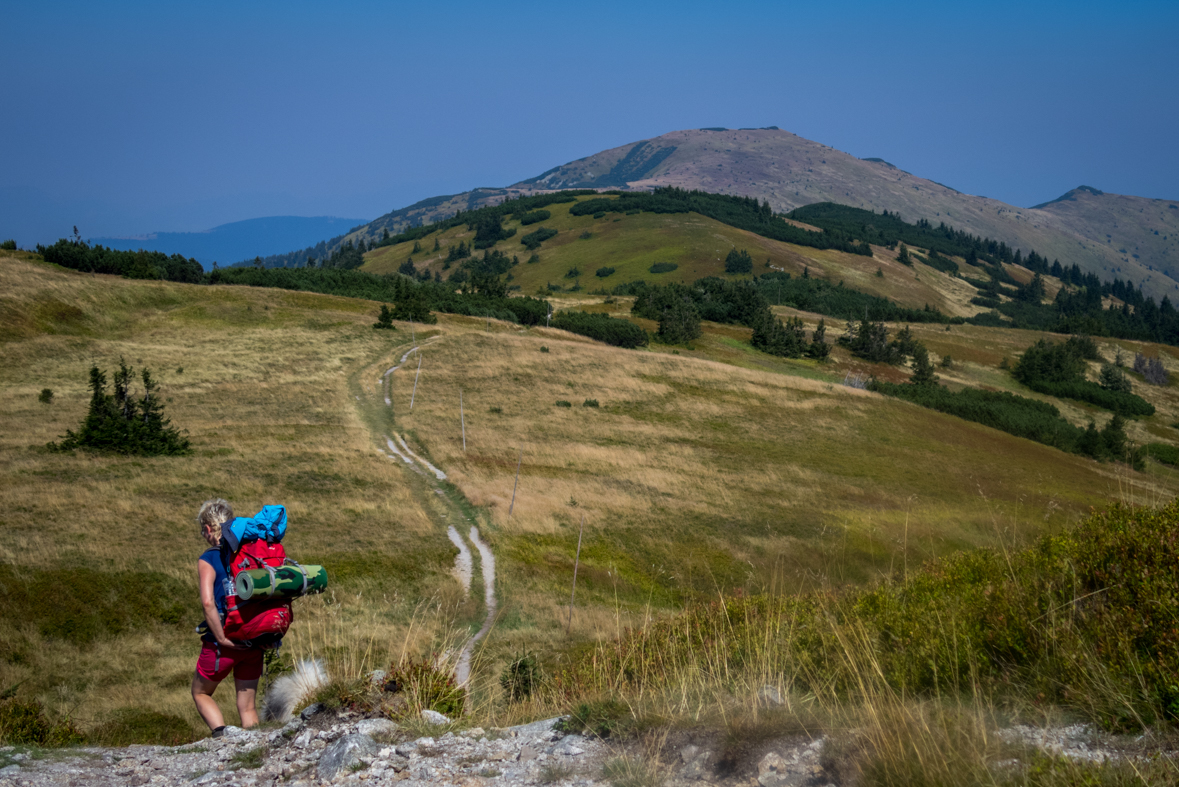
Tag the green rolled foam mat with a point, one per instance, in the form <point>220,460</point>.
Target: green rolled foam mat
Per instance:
<point>288,582</point>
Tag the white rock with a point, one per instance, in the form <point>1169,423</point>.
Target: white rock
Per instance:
<point>375,727</point>
<point>769,696</point>
<point>533,728</point>
<point>304,738</point>
<point>434,717</point>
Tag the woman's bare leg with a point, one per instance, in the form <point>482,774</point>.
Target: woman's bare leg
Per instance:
<point>202,695</point>
<point>246,691</point>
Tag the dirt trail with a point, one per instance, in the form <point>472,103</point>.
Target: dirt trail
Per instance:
<point>384,381</point>
<point>462,672</point>
<point>463,562</point>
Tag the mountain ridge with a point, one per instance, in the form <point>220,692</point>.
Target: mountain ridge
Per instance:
<point>1113,236</point>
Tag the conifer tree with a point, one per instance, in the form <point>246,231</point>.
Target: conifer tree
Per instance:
<point>120,423</point>
<point>384,319</point>
<point>922,367</point>
<point>819,349</point>
<point>680,322</point>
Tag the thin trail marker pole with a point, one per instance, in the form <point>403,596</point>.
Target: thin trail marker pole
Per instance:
<point>513,504</point>
<point>576,561</point>
<point>415,382</point>
<point>463,420</point>
<point>413,333</point>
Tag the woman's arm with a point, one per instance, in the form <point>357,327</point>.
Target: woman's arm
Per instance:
<point>206,576</point>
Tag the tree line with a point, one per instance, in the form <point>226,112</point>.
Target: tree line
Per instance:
<point>744,213</point>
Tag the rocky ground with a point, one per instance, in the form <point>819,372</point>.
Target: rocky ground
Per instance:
<point>322,747</point>
<point>327,747</point>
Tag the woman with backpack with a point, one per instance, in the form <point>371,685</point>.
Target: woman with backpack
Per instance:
<point>220,655</point>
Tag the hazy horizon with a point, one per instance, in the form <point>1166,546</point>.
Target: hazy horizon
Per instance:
<point>133,118</point>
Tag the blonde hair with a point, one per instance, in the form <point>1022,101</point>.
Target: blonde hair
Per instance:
<point>213,514</point>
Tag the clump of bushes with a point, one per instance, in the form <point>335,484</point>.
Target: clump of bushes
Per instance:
<point>1058,370</point>
<point>564,403</point>
<point>121,423</point>
<point>738,262</point>
<point>1163,452</point>
<point>46,396</point>
<point>663,267</point>
<point>1022,417</point>
<point>535,216</point>
<point>602,327</point>
<point>8,245</point>
<point>533,240</point>
<point>602,273</point>
<point>573,272</point>
<point>590,403</point>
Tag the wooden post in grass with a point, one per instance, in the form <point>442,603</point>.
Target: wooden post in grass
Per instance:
<point>413,333</point>
<point>415,382</point>
<point>513,504</point>
<point>576,562</point>
<point>463,420</point>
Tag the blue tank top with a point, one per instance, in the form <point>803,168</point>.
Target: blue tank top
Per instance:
<point>222,585</point>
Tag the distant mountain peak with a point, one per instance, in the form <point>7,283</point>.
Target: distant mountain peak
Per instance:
<point>1070,196</point>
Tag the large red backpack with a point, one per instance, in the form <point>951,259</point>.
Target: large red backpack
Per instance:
<point>249,543</point>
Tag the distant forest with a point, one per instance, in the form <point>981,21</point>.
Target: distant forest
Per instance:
<point>1076,309</point>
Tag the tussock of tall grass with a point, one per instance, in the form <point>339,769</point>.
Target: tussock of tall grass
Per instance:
<point>1084,620</point>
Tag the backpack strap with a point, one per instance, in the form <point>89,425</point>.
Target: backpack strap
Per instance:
<point>302,571</point>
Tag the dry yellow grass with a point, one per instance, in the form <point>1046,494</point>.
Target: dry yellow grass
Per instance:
<point>696,475</point>
<point>264,382</point>
<point>719,468</point>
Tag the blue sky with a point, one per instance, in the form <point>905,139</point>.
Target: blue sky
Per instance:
<point>125,118</point>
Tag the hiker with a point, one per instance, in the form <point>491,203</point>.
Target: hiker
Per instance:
<point>219,655</point>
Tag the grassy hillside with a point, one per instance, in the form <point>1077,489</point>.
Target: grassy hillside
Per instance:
<point>697,245</point>
<point>264,383</point>
<point>790,171</point>
<point>703,468</point>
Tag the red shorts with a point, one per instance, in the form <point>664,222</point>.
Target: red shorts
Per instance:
<point>216,662</point>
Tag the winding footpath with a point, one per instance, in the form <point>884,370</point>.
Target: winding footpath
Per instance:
<point>399,450</point>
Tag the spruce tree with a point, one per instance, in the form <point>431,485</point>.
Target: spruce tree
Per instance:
<point>121,423</point>
<point>819,349</point>
<point>922,367</point>
<point>680,322</point>
<point>384,319</point>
